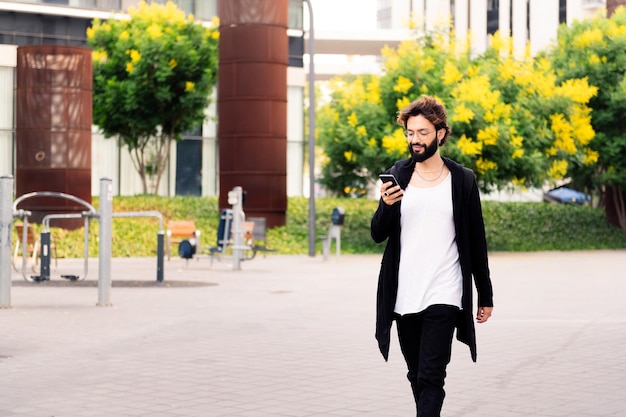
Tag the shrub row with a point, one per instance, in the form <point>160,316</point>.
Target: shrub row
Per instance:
<point>509,226</point>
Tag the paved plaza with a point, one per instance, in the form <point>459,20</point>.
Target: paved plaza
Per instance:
<point>293,336</point>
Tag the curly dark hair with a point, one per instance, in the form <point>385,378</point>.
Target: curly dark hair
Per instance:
<point>432,110</point>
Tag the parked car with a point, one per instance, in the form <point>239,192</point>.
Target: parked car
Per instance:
<point>565,195</point>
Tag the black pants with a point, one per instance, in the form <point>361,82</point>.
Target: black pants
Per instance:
<point>426,343</point>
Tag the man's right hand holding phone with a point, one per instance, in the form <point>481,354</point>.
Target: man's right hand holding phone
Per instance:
<point>391,193</point>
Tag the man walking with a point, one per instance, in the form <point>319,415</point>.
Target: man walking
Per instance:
<point>432,221</point>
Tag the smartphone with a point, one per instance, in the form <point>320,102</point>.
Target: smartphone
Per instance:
<point>388,178</point>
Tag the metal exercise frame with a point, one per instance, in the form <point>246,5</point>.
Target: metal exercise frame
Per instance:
<point>104,216</point>
<point>230,233</point>
<point>44,273</point>
<point>160,235</point>
<point>44,270</point>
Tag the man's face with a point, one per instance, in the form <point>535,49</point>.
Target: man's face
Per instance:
<point>421,137</point>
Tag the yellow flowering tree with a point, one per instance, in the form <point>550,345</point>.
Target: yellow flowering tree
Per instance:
<point>353,130</point>
<point>594,48</point>
<point>153,76</point>
<point>513,122</point>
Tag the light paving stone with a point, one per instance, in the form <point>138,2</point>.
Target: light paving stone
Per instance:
<point>293,336</point>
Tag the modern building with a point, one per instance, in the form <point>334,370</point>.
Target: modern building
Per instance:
<point>534,21</point>
<point>194,164</point>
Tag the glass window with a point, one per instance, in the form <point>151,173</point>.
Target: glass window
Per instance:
<point>296,12</point>
<point>77,28</point>
<point>7,22</point>
<point>383,14</point>
<point>201,9</point>
<point>30,29</point>
<point>27,23</point>
<point>53,26</point>
<point>186,6</point>
<point>493,13</point>
<point>205,9</point>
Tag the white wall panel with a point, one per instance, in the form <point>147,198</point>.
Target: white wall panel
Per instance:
<point>7,94</point>
<point>519,27</point>
<point>104,161</point>
<point>7,77</point>
<point>8,56</point>
<point>461,20</point>
<point>478,26</point>
<point>544,23</point>
<point>6,153</point>
<point>504,17</point>
<point>295,140</point>
<point>437,14</point>
<point>210,156</point>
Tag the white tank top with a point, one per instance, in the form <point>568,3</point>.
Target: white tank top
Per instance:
<point>430,272</point>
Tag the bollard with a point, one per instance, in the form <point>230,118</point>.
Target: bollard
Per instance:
<point>235,198</point>
<point>104,246</point>
<point>160,246</point>
<point>6,221</point>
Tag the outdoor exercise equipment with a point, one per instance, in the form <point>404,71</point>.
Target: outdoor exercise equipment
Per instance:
<point>104,215</point>
<point>44,274</point>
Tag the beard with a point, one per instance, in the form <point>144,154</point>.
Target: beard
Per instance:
<point>427,153</point>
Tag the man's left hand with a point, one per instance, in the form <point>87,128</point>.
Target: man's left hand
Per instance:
<point>483,314</point>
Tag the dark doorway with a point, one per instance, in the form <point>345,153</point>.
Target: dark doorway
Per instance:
<point>189,167</point>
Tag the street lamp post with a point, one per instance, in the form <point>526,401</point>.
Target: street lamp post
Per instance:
<point>311,133</point>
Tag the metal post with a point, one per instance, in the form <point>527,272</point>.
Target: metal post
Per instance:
<point>104,246</point>
<point>25,233</point>
<point>6,221</point>
<point>237,227</point>
<point>311,132</point>
<point>86,247</point>
<point>160,246</point>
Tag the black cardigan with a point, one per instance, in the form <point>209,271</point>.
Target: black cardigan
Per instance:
<point>470,240</point>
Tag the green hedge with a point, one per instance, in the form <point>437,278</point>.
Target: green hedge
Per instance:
<point>509,226</point>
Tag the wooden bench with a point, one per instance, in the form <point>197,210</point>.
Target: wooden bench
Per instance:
<point>179,230</point>
<point>254,237</point>
<point>259,234</point>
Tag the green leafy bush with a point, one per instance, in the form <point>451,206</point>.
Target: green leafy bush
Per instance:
<point>543,226</point>
<point>509,226</point>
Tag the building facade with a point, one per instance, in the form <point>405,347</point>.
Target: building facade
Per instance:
<point>533,21</point>
<point>194,162</point>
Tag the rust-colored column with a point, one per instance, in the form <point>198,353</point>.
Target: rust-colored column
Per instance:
<point>53,127</point>
<point>252,105</point>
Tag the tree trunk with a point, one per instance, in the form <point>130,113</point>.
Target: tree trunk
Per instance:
<point>136,156</point>
<point>611,5</point>
<point>150,159</point>
<point>615,196</point>
<point>162,159</point>
<point>615,207</point>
